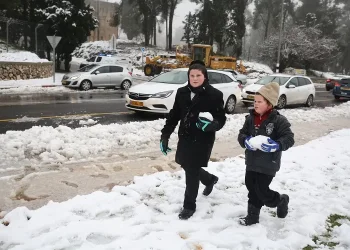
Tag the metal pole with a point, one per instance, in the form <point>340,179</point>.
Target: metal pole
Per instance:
<point>7,35</point>
<point>36,39</point>
<point>98,18</point>
<point>279,41</point>
<point>54,58</point>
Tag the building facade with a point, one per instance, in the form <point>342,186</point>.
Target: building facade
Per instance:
<point>104,11</point>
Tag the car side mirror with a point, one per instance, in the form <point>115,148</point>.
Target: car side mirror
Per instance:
<point>97,72</point>
<point>291,86</point>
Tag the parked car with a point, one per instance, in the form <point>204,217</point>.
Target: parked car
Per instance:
<point>342,88</point>
<point>293,90</point>
<point>240,77</point>
<point>95,75</point>
<point>158,94</point>
<point>330,82</point>
<point>107,59</point>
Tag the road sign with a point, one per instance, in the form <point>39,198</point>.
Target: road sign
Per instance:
<point>113,42</point>
<point>54,40</point>
<point>143,49</point>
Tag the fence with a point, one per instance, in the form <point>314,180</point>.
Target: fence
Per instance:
<point>21,35</point>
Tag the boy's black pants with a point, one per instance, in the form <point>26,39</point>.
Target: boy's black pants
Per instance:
<point>194,175</point>
<point>260,193</point>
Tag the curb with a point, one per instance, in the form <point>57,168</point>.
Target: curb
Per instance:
<point>42,86</point>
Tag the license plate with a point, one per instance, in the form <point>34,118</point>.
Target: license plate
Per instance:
<point>344,88</point>
<point>136,104</point>
<point>251,97</point>
<point>344,93</point>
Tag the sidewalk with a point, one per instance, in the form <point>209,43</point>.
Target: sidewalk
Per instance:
<point>33,187</point>
<point>44,82</point>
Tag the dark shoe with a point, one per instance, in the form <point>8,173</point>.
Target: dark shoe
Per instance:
<point>186,214</point>
<point>208,189</point>
<point>282,207</point>
<point>252,216</point>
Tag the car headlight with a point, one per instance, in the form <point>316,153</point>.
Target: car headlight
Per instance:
<point>75,77</point>
<point>164,94</point>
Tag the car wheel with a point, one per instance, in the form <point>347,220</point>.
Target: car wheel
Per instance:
<point>282,102</point>
<point>309,101</point>
<point>230,105</point>
<point>85,85</point>
<point>126,84</point>
<point>328,88</point>
<point>337,97</point>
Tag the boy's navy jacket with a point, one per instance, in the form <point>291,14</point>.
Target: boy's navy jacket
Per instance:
<point>277,127</point>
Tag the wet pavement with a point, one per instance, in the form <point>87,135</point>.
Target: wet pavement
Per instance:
<point>106,106</point>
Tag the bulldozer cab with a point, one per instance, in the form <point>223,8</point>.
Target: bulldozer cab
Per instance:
<point>201,52</point>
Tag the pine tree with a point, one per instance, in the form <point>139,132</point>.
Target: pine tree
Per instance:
<point>131,19</point>
<point>72,20</point>
<point>190,28</point>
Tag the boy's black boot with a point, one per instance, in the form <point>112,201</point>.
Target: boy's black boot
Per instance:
<point>282,207</point>
<point>252,217</point>
<point>208,189</point>
<point>186,213</point>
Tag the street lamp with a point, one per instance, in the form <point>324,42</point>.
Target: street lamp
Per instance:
<point>280,40</point>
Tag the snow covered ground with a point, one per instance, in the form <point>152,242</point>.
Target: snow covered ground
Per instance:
<point>32,83</point>
<point>40,146</point>
<point>143,215</point>
<point>22,56</point>
<point>329,75</point>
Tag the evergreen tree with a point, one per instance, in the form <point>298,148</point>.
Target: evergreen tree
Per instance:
<point>190,29</point>
<point>72,20</point>
<point>131,19</point>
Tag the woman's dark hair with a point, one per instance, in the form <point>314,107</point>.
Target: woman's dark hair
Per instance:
<point>200,67</point>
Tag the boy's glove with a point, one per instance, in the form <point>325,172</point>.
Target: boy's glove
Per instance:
<point>248,145</point>
<point>164,146</point>
<point>272,146</point>
<point>206,125</point>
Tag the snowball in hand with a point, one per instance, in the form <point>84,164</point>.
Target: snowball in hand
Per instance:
<point>258,140</point>
<point>206,115</point>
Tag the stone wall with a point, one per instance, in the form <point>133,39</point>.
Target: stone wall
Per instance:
<point>25,70</point>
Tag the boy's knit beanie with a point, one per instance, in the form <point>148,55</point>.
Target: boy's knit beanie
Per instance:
<point>271,92</point>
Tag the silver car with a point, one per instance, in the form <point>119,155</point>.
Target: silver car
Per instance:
<point>105,75</point>
<point>239,77</point>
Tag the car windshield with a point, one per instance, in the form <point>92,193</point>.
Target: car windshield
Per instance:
<point>88,68</point>
<point>281,80</point>
<point>172,77</point>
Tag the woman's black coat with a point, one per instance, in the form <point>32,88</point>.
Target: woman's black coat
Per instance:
<point>194,146</point>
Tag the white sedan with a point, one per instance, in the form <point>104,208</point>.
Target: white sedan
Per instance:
<point>293,90</point>
<point>158,95</point>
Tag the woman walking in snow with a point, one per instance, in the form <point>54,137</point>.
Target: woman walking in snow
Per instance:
<point>263,159</point>
<point>196,132</point>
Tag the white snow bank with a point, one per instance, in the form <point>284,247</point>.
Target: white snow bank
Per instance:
<point>48,145</point>
<point>27,84</point>
<point>256,70</point>
<point>329,75</point>
<point>22,56</point>
<point>144,215</point>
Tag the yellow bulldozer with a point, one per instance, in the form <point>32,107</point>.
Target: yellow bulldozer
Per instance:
<point>155,65</point>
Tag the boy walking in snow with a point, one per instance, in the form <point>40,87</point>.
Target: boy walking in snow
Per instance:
<point>263,160</point>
